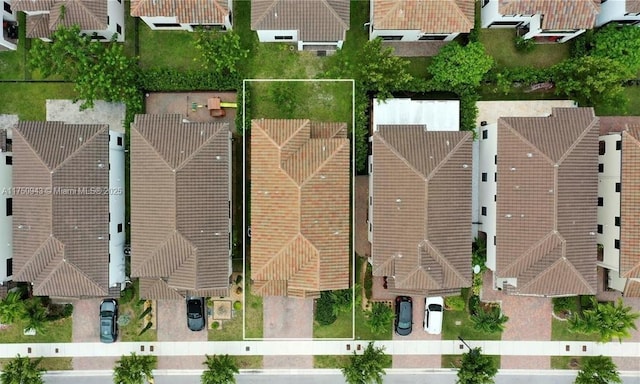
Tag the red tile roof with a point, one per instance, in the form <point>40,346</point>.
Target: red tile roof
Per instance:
<point>557,14</point>
<point>546,202</point>
<point>300,178</point>
<point>428,16</point>
<point>88,15</point>
<point>185,11</point>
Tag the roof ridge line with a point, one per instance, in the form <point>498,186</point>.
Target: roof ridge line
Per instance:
<point>197,150</point>
<point>578,140</point>
<point>266,11</point>
<point>84,144</point>
<point>401,157</point>
<point>449,155</point>
<point>531,248</point>
<point>153,148</point>
<point>305,122</point>
<point>530,144</point>
<point>566,261</point>
<point>444,260</point>
<point>333,12</point>
<point>325,162</point>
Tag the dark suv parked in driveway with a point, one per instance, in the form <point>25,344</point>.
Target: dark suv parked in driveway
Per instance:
<point>195,313</point>
<point>404,315</point>
<point>108,320</point>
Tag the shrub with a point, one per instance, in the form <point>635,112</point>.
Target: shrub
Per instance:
<point>127,294</point>
<point>474,304</point>
<point>491,321</point>
<point>524,45</point>
<point>146,328</point>
<point>368,281</point>
<point>215,325</point>
<point>145,312</point>
<point>379,318</point>
<point>564,304</point>
<point>238,279</point>
<point>237,305</point>
<point>172,80</point>
<point>58,311</point>
<point>454,303</point>
<point>324,309</point>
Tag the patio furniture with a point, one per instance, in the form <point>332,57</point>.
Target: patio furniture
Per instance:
<point>215,110</point>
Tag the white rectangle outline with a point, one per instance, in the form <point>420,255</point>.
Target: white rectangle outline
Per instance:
<point>353,206</point>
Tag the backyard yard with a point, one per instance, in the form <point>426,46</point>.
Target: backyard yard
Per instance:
<point>28,100</point>
<point>499,43</point>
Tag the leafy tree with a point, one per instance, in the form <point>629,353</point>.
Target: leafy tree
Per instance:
<point>220,52</point>
<point>12,308</point>
<point>598,370</point>
<point>22,370</point>
<point>134,369</point>
<point>479,253</point>
<point>476,368</point>
<point>342,300</point>
<point>379,318</point>
<point>619,43</point>
<point>591,80</point>
<point>609,320</point>
<point>367,368</point>
<point>35,314</point>
<point>221,369</point>
<point>460,68</point>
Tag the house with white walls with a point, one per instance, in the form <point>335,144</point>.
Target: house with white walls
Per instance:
<point>8,32</point>
<point>619,12</point>
<point>6,207</point>
<point>184,15</point>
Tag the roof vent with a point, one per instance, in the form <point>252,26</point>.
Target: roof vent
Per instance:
<point>398,201</point>
<point>513,169</point>
<point>217,233</point>
<point>465,166</point>
<point>80,138</point>
<point>447,142</point>
<point>592,233</point>
<point>529,154</point>
<point>508,215</point>
<point>551,191</point>
<point>100,237</point>
<point>218,157</point>
<point>522,215</point>
<point>323,177</point>
<point>483,123</point>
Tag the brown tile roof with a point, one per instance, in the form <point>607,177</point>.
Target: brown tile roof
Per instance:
<point>546,202</point>
<point>89,15</point>
<point>633,6</point>
<point>61,241</point>
<point>300,178</point>
<point>180,203</point>
<point>610,124</point>
<point>632,288</point>
<point>558,14</point>
<point>315,20</point>
<point>428,16</point>
<point>185,11</point>
<point>422,208</point>
<point>630,204</point>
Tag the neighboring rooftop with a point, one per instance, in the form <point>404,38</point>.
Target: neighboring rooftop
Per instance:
<point>547,203</point>
<point>422,208</point>
<point>630,204</point>
<point>180,206</point>
<point>428,16</point>
<point>185,11</point>
<point>438,115</point>
<point>88,15</point>
<point>315,20</point>
<point>633,6</point>
<point>61,241</point>
<point>300,177</point>
<point>557,14</point>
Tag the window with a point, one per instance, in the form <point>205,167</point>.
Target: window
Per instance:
<point>119,29</point>
<point>484,211</point>
<point>391,37</point>
<point>9,206</point>
<point>166,25</point>
<point>599,228</point>
<point>505,23</point>
<point>484,176</point>
<point>484,3</point>
<point>284,37</point>
<point>494,240</point>
<point>618,187</point>
<point>495,159</point>
<point>600,202</point>
<point>9,145</point>
<point>617,221</point>
<point>603,147</point>
<point>7,7</point>
<point>495,197</point>
<point>120,141</point>
<point>108,20</point>
<point>432,37</point>
<point>495,177</point>
<point>8,160</point>
<point>618,145</point>
<point>601,168</point>
<point>485,134</point>
<point>616,243</point>
<point>120,228</point>
<point>98,37</point>
<point>9,267</point>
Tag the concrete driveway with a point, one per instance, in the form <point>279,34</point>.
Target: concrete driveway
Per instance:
<point>418,333</point>
<point>284,318</point>
<point>85,320</point>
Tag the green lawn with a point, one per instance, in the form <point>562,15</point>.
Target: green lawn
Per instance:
<point>453,361</point>
<point>248,362</point>
<point>341,328</point>
<point>231,329</point>
<point>253,309</point>
<point>633,105</point>
<point>500,45</point>
<point>451,331</point>
<point>330,361</point>
<point>130,30</point>
<point>134,309</point>
<point>49,363</point>
<point>418,66</point>
<point>58,331</point>
<point>28,100</point>
<point>560,332</point>
<point>566,362</point>
<point>12,63</point>
<point>173,49</point>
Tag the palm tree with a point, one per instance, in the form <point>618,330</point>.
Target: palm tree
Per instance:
<point>35,314</point>
<point>12,308</point>
<point>490,321</point>
<point>367,368</point>
<point>476,368</point>
<point>221,369</point>
<point>134,369</point>
<point>598,370</point>
<point>610,320</point>
<point>22,370</point>
<point>379,318</point>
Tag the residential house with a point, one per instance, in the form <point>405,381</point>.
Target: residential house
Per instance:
<point>68,209</point>
<point>101,19</point>
<point>184,14</point>
<point>538,198</point>
<point>543,20</point>
<point>619,12</point>
<point>420,193</point>
<point>180,207</point>
<point>619,203</point>
<point>300,178</point>
<point>312,24</point>
<point>420,20</point>
<point>6,207</point>
<point>9,28</point>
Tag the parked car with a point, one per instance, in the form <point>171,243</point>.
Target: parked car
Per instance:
<point>404,315</point>
<point>433,313</point>
<point>108,320</point>
<point>195,313</point>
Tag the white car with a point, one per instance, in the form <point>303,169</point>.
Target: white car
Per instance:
<point>433,311</point>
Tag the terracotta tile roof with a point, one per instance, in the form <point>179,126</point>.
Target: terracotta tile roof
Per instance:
<point>185,11</point>
<point>630,204</point>
<point>180,203</point>
<point>89,15</point>
<point>610,124</point>
<point>422,207</point>
<point>632,288</point>
<point>558,14</point>
<point>428,16</point>
<point>300,177</point>
<point>633,6</point>
<point>61,241</point>
<point>315,20</point>
<point>546,202</point>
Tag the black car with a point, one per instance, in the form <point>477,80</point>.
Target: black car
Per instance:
<point>404,315</point>
<point>108,320</point>
<point>195,313</point>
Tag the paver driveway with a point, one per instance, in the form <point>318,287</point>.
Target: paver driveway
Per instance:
<point>418,333</point>
<point>172,322</point>
<point>85,320</point>
<point>287,317</point>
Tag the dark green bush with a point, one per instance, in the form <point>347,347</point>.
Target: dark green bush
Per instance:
<point>368,281</point>
<point>146,328</point>
<point>490,321</point>
<point>58,311</point>
<point>145,312</point>
<point>474,305</point>
<point>127,294</point>
<point>239,279</point>
<point>324,309</point>
<point>524,45</point>
<point>454,303</point>
<point>561,304</point>
<point>173,80</point>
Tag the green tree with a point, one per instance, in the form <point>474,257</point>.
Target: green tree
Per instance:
<point>608,319</point>
<point>476,368</point>
<point>220,52</point>
<point>619,43</point>
<point>12,308</point>
<point>22,370</point>
<point>379,318</point>
<point>134,369</point>
<point>367,368</point>
<point>221,369</point>
<point>35,314</point>
<point>460,68</point>
<point>491,321</point>
<point>343,300</point>
<point>598,370</point>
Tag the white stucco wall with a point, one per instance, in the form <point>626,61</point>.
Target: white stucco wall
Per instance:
<point>6,222</point>
<point>607,181</point>
<point>614,10</point>
<point>488,149</point>
<point>6,16</point>
<point>116,209</point>
<point>270,36</point>
<point>408,34</point>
